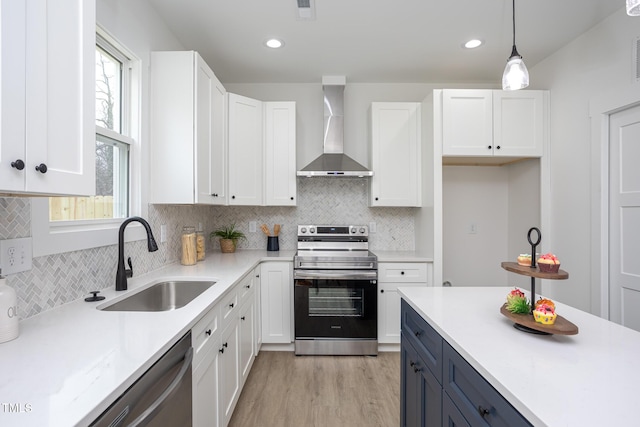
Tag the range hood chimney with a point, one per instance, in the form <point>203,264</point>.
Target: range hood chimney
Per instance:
<point>333,162</point>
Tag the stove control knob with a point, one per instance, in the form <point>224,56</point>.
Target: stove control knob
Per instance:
<point>353,230</point>
<point>312,230</point>
<point>303,230</point>
<point>362,230</point>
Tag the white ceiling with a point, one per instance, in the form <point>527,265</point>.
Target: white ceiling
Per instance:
<point>382,41</point>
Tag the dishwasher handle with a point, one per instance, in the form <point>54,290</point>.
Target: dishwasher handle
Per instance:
<point>156,406</point>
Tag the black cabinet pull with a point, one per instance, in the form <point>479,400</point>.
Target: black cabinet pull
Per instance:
<point>208,332</point>
<point>412,363</point>
<point>242,318</point>
<point>232,305</point>
<point>257,275</point>
<point>416,333</point>
<point>482,411</point>
<point>221,350</point>
<point>18,164</point>
<point>42,168</point>
<point>247,286</point>
<point>225,345</point>
<point>497,147</point>
<point>416,369</point>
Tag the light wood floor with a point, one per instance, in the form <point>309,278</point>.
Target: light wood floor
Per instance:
<point>320,391</point>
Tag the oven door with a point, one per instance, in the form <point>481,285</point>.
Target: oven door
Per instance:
<point>335,304</point>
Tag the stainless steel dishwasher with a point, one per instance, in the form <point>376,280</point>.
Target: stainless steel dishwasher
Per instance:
<point>160,397</point>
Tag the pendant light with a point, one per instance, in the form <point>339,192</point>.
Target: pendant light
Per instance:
<point>633,7</point>
<point>515,74</point>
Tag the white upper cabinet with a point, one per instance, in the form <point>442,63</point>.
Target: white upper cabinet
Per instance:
<point>187,130</point>
<point>245,151</point>
<point>395,154</point>
<point>280,153</point>
<point>47,96</point>
<point>481,123</point>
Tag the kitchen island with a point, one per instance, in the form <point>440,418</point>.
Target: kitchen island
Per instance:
<point>588,379</point>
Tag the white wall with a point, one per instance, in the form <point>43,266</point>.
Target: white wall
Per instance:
<point>596,63</point>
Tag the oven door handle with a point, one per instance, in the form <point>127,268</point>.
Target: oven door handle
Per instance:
<point>335,274</point>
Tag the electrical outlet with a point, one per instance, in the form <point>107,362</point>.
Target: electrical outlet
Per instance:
<point>252,226</point>
<point>372,227</point>
<point>473,228</point>
<point>15,255</point>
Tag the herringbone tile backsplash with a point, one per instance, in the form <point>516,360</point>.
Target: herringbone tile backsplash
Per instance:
<point>57,279</point>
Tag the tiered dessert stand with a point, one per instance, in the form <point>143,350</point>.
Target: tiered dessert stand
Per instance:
<point>525,322</point>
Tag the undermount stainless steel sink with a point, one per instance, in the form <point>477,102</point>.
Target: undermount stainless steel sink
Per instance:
<point>163,296</point>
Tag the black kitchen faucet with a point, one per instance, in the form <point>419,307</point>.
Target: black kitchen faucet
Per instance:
<point>122,274</point>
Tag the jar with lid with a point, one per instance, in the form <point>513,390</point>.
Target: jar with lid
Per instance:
<point>189,254</point>
<point>200,243</point>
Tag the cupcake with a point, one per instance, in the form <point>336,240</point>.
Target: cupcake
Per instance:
<point>544,314</point>
<point>548,263</point>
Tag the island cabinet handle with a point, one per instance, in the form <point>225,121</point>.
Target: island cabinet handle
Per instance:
<point>416,333</point>
<point>416,369</point>
<point>483,411</point>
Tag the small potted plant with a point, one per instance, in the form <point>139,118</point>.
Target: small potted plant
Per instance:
<point>228,238</point>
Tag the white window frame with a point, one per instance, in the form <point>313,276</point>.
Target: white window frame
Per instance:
<point>65,236</point>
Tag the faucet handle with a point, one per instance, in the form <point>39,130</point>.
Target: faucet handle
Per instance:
<point>129,272</point>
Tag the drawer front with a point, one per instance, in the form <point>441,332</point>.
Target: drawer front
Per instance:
<point>229,307</point>
<point>205,333</point>
<point>451,416</point>
<point>424,338</point>
<point>477,400</point>
<point>245,288</point>
<point>402,272</point>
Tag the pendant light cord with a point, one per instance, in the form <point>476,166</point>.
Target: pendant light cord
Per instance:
<point>513,9</point>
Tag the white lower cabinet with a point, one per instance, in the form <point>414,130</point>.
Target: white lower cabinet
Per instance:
<point>205,390</point>
<point>276,302</point>
<point>391,276</point>
<point>228,372</point>
<point>247,338</point>
<point>257,284</point>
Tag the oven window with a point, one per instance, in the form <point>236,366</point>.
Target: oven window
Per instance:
<point>340,302</point>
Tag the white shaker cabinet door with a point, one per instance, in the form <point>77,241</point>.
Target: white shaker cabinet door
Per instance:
<point>12,101</point>
<point>467,122</point>
<point>518,128</point>
<point>245,151</point>
<point>280,153</point>
<point>60,97</point>
<point>276,280</point>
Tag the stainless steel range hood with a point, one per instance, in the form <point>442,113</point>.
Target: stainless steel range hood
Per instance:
<point>333,162</point>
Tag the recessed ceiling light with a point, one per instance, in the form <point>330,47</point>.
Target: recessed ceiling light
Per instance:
<point>274,43</point>
<point>472,44</point>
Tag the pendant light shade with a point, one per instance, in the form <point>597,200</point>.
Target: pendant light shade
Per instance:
<point>633,7</point>
<point>516,75</point>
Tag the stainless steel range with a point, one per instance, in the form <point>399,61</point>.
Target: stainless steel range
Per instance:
<point>335,278</point>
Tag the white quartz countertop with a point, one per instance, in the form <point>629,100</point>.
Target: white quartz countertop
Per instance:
<point>402,256</point>
<point>70,363</point>
<point>588,379</point>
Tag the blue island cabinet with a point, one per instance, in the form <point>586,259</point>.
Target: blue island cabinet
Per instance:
<point>439,387</point>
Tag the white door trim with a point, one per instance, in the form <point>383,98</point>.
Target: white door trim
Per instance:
<point>600,108</point>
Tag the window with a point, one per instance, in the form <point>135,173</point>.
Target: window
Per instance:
<point>112,143</point>
<point>64,224</point>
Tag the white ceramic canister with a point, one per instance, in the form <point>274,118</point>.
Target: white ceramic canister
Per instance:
<point>8,312</point>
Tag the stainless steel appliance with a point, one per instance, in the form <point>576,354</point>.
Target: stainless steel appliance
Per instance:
<point>160,397</point>
<point>335,291</point>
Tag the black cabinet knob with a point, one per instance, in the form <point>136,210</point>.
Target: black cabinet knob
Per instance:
<point>232,305</point>
<point>291,198</point>
<point>482,411</point>
<point>18,164</point>
<point>221,350</point>
<point>377,199</point>
<point>497,147</point>
<point>208,332</point>
<point>247,286</point>
<point>416,333</point>
<point>233,197</point>
<point>242,318</point>
<point>489,147</point>
<point>225,345</point>
<point>402,273</point>
<point>42,168</point>
<point>382,291</point>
